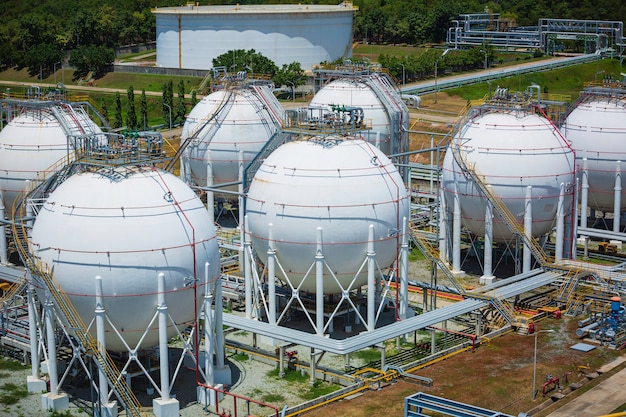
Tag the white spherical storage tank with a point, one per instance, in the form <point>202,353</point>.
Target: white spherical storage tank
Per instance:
<point>356,93</point>
<point>227,122</point>
<point>192,36</point>
<point>29,144</point>
<point>596,130</point>
<point>510,150</point>
<point>340,186</point>
<point>127,225</point>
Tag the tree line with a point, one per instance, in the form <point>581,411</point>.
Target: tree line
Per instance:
<point>37,34</point>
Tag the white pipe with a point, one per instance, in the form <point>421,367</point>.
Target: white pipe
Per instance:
<point>528,229</point>
<point>52,347</point>
<point>241,206</point>
<point>100,336</point>
<point>247,271</point>
<point>617,197</point>
<point>404,271</point>
<point>488,250</point>
<point>271,275</point>
<point>560,226</point>
<point>219,328</point>
<point>210,196</point>
<point>443,227</point>
<point>4,258</point>
<point>208,330</point>
<point>163,352</point>
<point>584,194</point>
<point>32,331</point>
<point>371,281</point>
<point>456,234</point>
<point>319,284</point>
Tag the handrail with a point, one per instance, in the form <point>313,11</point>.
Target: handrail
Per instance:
<point>432,253</point>
<point>65,308</point>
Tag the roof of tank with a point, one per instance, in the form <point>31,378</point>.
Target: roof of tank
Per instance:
<point>256,9</point>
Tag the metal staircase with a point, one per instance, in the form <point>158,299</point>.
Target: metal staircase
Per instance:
<point>64,308</point>
<point>470,171</point>
<point>222,110</point>
<point>432,253</point>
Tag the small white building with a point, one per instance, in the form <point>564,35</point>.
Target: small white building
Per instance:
<point>192,36</point>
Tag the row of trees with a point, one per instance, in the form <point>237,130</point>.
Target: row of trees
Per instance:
<point>36,34</point>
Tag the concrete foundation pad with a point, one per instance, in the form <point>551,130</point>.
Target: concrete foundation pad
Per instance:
<point>166,408</point>
<point>109,409</point>
<point>207,396</point>
<point>486,279</point>
<point>36,385</point>
<point>55,402</point>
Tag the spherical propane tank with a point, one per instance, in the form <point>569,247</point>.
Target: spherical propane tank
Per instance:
<point>596,130</point>
<point>333,189</point>
<point>225,123</point>
<point>356,93</point>
<point>510,151</point>
<point>128,225</point>
<point>29,144</point>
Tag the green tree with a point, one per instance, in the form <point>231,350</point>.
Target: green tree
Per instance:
<point>181,108</point>
<point>119,121</point>
<point>194,99</point>
<point>104,109</point>
<point>250,61</point>
<point>91,58</point>
<point>290,75</point>
<point>131,115</point>
<point>168,102</point>
<point>143,109</point>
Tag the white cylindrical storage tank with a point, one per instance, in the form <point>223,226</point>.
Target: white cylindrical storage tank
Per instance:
<point>340,186</point>
<point>192,36</point>
<point>225,123</point>
<point>510,150</point>
<point>128,225</point>
<point>354,92</point>
<point>596,129</point>
<point>29,144</point>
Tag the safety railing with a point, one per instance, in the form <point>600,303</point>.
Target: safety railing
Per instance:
<point>432,253</point>
<point>65,308</point>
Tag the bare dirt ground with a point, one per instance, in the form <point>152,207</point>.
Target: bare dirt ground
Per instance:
<point>498,375</point>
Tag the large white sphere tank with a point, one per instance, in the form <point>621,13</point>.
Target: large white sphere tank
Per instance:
<point>339,186</point>
<point>127,226</point>
<point>29,144</point>
<point>356,93</point>
<point>510,151</point>
<point>596,130</point>
<point>229,121</point>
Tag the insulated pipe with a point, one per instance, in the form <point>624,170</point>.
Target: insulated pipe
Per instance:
<point>210,196</point>
<point>528,229</point>
<point>271,275</point>
<point>219,328</point>
<point>584,330</point>
<point>560,226</point>
<point>371,281</point>
<point>4,258</point>
<point>241,204</point>
<point>404,271</point>
<point>247,268</point>
<point>103,386</point>
<point>443,229</point>
<point>456,233</point>
<point>163,352</point>
<point>52,346</point>
<point>488,250</point>
<point>618,196</point>
<point>209,342</point>
<point>32,331</point>
<point>319,284</point>
<point>584,194</point>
